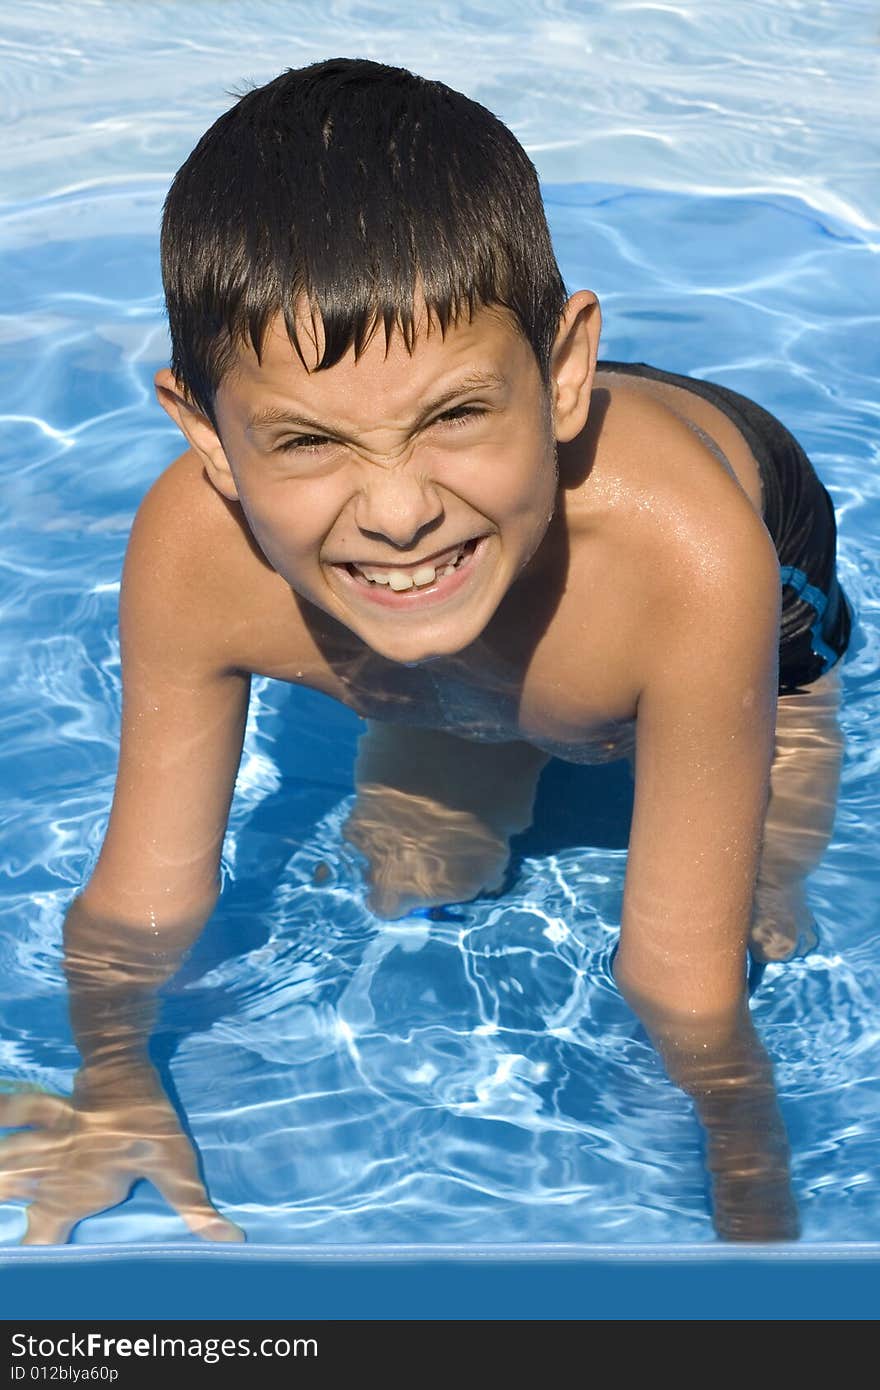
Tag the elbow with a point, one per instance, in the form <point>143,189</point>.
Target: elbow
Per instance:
<point>682,997</point>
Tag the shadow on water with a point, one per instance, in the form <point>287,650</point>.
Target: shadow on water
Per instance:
<point>579,805</point>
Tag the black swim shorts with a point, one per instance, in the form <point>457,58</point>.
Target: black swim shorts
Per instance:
<point>799,515</point>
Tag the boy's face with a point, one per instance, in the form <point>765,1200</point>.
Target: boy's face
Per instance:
<point>433,472</point>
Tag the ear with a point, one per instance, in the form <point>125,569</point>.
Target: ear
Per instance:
<point>573,364</point>
<point>198,430</point>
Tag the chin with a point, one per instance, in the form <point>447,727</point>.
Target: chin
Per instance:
<point>416,652</point>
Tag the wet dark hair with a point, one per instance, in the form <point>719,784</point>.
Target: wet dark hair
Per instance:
<point>353,185</point>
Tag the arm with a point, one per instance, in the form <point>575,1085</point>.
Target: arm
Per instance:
<point>704,749</point>
<point>153,889</point>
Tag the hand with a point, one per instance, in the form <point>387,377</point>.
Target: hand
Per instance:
<point>82,1154</point>
<point>422,854</point>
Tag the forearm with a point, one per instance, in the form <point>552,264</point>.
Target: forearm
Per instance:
<point>114,971</point>
<point>747,1149</point>
<point>722,1065</point>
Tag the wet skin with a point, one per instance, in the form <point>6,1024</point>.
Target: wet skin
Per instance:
<point>561,509</point>
<point>623,601</point>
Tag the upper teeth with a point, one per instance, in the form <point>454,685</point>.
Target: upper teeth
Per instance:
<point>399,579</point>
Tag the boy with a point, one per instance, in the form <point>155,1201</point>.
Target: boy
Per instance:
<point>411,484</point>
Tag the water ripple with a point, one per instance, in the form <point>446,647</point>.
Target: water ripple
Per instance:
<point>711,171</point>
<point>760,96</point>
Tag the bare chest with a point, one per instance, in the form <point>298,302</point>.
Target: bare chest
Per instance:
<point>569,690</point>
<point>542,710</point>
<point>568,685</point>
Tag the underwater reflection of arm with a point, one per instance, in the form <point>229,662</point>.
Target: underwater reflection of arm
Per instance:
<point>704,751</point>
<point>153,889</point>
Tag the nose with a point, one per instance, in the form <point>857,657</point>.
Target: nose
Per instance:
<point>398,506</point>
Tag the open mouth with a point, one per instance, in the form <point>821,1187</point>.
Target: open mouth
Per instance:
<point>402,581</point>
<point>405,588</point>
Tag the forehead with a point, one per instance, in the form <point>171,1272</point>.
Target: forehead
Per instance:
<point>386,375</point>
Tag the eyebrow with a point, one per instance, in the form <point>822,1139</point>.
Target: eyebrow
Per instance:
<point>281,415</point>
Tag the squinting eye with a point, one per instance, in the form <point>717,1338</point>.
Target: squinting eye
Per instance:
<point>460,415</point>
<point>304,442</point>
<point>308,443</point>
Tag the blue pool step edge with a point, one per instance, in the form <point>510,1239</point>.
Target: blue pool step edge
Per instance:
<point>778,1251</point>
<point>189,1282</point>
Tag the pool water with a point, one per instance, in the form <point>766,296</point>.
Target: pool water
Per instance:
<point>474,1079</point>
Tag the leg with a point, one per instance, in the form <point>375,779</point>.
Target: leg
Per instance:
<point>804,783</point>
<point>434,813</point>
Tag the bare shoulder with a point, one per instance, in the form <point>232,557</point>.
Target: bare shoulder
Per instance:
<point>194,575</point>
<point>657,483</point>
<point>669,540</point>
<point>707,564</point>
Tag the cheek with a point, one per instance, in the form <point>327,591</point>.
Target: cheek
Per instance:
<point>525,483</point>
<point>509,479</point>
<point>286,525</point>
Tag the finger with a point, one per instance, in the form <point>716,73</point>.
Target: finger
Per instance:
<point>184,1190</point>
<point>47,1225</point>
<point>19,1186</point>
<point>66,1198</point>
<point>204,1220</point>
<point>31,1108</point>
<point>218,1228</point>
<point>21,1152</point>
